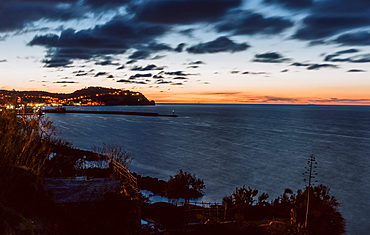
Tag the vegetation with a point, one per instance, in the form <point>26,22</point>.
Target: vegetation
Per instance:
<point>28,145</point>
<point>119,162</point>
<point>30,148</point>
<point>26,141</point>
<point>243,196</point>
<point>185,185</point>
<point>324,217</point>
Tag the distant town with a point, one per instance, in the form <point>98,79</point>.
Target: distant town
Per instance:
<point>91,96</point>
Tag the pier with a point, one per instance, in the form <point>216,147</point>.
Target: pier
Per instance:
<point>110,112</point>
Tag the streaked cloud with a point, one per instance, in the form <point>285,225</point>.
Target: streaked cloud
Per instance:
<point>249,23</point>
<point>270,57</point>
<point>221,44</point>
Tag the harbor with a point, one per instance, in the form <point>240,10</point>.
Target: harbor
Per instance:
<point>63,110</point>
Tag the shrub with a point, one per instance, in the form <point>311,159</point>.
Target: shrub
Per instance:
<point>185,185</point>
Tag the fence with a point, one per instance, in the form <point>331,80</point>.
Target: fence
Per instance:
<point>204,211</point>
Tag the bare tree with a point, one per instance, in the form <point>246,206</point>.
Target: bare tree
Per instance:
<point>119,161</point>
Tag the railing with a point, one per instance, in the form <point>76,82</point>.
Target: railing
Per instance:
<point>125,175</point>
<point>204,211</point>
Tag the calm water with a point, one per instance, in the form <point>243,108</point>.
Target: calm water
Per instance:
<point>262,146</point>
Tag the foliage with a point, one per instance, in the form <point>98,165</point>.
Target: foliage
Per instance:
<point>26,140</point>
<point>114,153</point>
<point>243,195</point>
<point>119,162</point>
<point>262,198</point>
<point>185,185</point>
<point>324,217</point>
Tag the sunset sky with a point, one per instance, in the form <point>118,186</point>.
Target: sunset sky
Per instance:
<point>207,51</point>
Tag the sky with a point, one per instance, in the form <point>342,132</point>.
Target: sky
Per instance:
<point>191,51</point>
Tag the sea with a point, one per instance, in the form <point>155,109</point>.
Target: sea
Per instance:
<point>265,147</point>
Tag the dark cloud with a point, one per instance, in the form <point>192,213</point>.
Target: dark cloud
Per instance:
<point>274,99</point>
<point>3,61</point>
<point>291,4</point>
<point>183,11</point>
<point>234,72</point>
<point>354,39</point>
<point>114,37</point>
<point>197,62</point>
<point>248,23</point>
<point>158,76</point>
<point>147,50</point>
<point>300,64</point>
<point>254,73</point>
<point>270,57</point>
<point>332,17</point>
<point>363,58</point>
<point>131,61</point>
<point>314,66</point>
<point>356,71</point>
<point>121,67</point>
<point>80,74</point>
<point>336,100</point>
<point>106,61</point>
<point>284,71</point>
<point>100,74</point>
<point>141,75</point>
<point>110,76</point>
<point>177,73</point>
<point>161,81</point>
<point>147,68</point>
<point>333,57</point>
<point>316,27</point>
<point>177,84</point>
<point>319,66</point>
<point>221,44</point>
<point>180,47</point>
<point>57,62</point>
<point>131,81</point>
<point>101,5</point>
<point>180,78</point>
<point>125,80</point>
<point>187,32</point>
<point>65,82</point>
<point>15,15</point>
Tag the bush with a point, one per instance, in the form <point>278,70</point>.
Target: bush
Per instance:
<point>323,217</point>
<point>25,141</point>
<point>185,185</point>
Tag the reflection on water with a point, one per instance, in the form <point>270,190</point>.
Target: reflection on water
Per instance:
<point>262,146</point>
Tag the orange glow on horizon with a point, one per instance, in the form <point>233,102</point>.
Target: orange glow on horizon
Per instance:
<point>323,95</point>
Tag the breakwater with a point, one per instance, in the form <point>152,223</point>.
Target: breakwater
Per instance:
<point>111,112</point>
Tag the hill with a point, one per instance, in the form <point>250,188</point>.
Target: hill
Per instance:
<point>85,96</point>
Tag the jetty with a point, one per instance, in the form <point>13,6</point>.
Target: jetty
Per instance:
<point>109,112</point>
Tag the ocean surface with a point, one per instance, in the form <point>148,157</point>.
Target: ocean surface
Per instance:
<point>262,146</point>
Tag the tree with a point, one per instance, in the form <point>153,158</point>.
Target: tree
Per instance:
<point>25,145</point>
<point>26,141</point>
<point>119,161</point>
<point>185,185</point>
<point>315,208</point>
<point>243,195</point>
<point>262,198</point>
<point>324,217</point>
